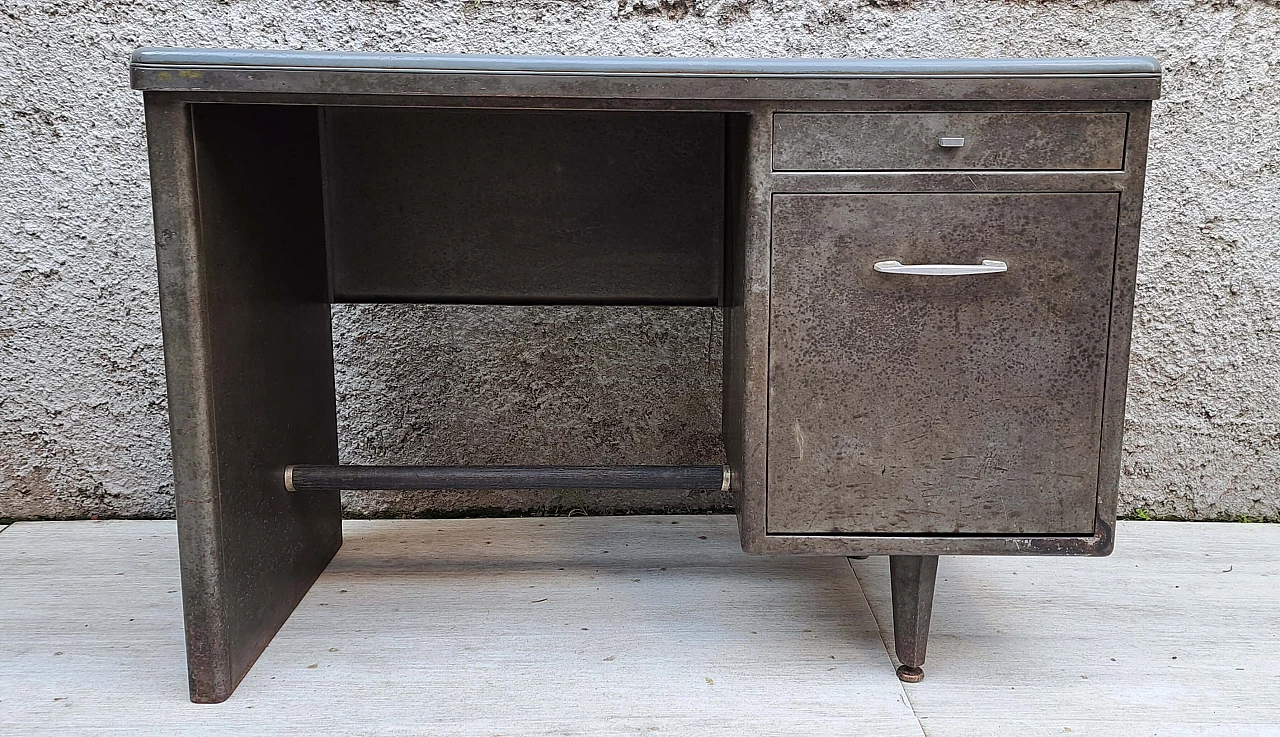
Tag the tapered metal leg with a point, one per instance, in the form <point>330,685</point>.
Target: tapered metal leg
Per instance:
<point>249,363</point>
<point>913,577</point>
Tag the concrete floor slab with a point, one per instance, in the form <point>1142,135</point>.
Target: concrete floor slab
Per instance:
<point>591,626</point>
<point>651,625</point>
<point>1177,632</point>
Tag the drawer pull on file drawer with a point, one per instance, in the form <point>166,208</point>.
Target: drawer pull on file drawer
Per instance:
<point>897,267</point>
<point>950,142</point>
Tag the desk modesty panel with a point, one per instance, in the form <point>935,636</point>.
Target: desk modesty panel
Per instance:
<point>926,269</point>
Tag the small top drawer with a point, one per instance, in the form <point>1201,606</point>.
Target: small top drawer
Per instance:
<point>923,141</point>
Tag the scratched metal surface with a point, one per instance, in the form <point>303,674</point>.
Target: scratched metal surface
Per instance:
<point>753,312</point>
<point>909,404</point>
<point>221,70</point>
<point>250,369</point>
<point>909,141</point>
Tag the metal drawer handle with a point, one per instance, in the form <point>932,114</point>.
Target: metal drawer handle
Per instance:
<point>951,142</point>
<point>896,267</point>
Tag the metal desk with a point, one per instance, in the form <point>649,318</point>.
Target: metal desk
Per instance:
<point>926,267</point>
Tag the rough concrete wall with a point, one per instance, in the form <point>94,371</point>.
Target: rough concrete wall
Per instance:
<point>82,422</point>
<point>530,385</point>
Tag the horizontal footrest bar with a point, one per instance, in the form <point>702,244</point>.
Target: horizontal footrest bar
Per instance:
<point>418,478</point>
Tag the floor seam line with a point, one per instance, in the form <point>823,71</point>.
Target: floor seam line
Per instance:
<point>887,652</point>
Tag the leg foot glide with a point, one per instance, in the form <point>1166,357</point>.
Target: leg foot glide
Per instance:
<point>910,674</point>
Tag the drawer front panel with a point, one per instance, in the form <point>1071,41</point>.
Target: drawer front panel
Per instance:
<point>957,404</point>
<point>926,141</point>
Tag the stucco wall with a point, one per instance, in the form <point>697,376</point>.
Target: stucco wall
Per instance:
<point>82,407</point>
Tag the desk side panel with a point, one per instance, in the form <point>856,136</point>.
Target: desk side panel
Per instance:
<point>1122,301</point>
<point>186,336</point>
<point>249,356</point>
<point>747,323</point>
<point>733,367</point>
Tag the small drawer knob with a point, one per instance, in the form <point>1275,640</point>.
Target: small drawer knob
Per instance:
<point>951,142</point>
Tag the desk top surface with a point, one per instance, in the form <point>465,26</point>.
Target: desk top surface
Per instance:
<point>178,59</point>
<point>230,70</point>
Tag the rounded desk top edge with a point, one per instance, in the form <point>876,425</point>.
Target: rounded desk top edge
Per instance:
<point>150,64</point>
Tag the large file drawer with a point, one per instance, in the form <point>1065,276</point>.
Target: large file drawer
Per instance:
<point>937,404</point>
